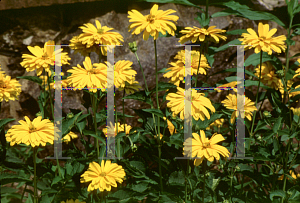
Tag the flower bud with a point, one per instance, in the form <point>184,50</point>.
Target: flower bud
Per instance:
<point>70,115</point>
<point>267,114</point>
<point>133,46</point>
<point>38,114</point>
<point>280,73</point>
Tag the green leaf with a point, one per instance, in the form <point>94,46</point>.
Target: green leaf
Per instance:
<point>81,126</point>
<point>139,96</point>
<point>177,177</point>
<point>156,112</point>
<point>35,79</point>
<point>4,121</point>
<point>184,2</point>
<point>29,199</point>
<point>277,193</point>
<point>236,32</point>
<point>163,70</point>
<point>225,46</point>
<point>69,123</point>
<point>277,125</point>
<point>162,86</point>
<point>225,12</point>
<point>92,133</point>
<point>5,190</point>
<point>254,59</point>
<point>202,20</point>
<point>138,164</point>
<point>56,180</point>
<point>140,187</point>
<point>255,83</point>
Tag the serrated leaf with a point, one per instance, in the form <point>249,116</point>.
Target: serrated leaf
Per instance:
<point>56,180</point>
<point>4,121</point>
<point>140,187</point>
<point>156,112</point>
<point>139,96</point>
<point>177,177</point>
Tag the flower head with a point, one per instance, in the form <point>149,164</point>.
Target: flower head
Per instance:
<point>103,176</point>
<point>289,86</point>
<point>89,76</point>
<point>35,133</point>
<point>157,21</point>
<point>99,35</point>
<point>67,138</point>
<point>81,48</point>
<point>231,84</point>
<point>294,176</point>
<point>211,34</point>
<point>202,147</point>
<point>177,72</point>
<point>131,86</point>
<point>268,76</point>
<point>123,72</point>
<point>231,103</point>
<point>298,70</point>
<point>10,89</point>
<point>170,126</point>
<point>296,111</point>
<point>216,123</point>
<point>121,128</point>
<point>264,41</point>
<point>72,201</point>
<point>43,58</point>
<point>199,104</point>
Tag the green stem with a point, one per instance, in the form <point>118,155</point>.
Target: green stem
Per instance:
<point>201,47</point>
<point>152,107</point>
<point>94,103</point>
<point>58,166</point>
<point>285,168</point>
<point>23,192</point>
<point>117,130</point>
<point>124,120</point>
<point>206,10</point>
<point>44,95</point>
<point>100,55</point>
<point>158,121</point>
<point>35,199</point>
<point>204,185</point>
<point>186,177</point>
<point>257,93</point>
<point>50,95</point>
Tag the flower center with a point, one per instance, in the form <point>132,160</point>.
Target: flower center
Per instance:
<point>103,174</point>
<point>100,31</point>
<point>2,85</point>
<point>31,128</point>
<point>91,71</point>
<point>206,145</point>
<point>151,18</point>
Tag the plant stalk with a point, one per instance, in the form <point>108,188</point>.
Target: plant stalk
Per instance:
<point>35,199</point>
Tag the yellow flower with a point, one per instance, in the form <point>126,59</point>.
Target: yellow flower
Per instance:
<point>88,76</point>
<point>67,137</point>
<point>35,133</point>
<point>268,76</point>
<point>292,174</point>
<point>104,176</point>
<point>123,72</point>
<point>157,21</point>
<point>231,103</point>
<point>170,126</point>
<point>72,201</point>
<point>99,35</point>
<point>199,104</point>
<point>120,129</point>
<point>289,85</point>
<point>231,84</point>
<point>202,147</point>
<point>81,48</point>
<point>264,41</point>
<point>177,72</point>
<point>298,70</point>
<point>131,86</point>
<point>10,89</point>
<point>43,58</point>
<point>216,123</point>
<point>192,34</point>
<point>296,111</point>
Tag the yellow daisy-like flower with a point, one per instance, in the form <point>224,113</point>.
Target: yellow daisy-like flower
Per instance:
<point>170,126</point>
<point>177,72</point>
<point>131,86</point>
<point>192,34</point>
<point>268,76</point>
<point>292,174</point>
<point>298,70</point>
<point>264,41</point>
<point>216,123</point>
<point>103,177</point>
<point>99,35</point>
<point>81,48</point>
<point>123,72</point>
<point>67,138</point>
<point>35,133</point>
<point>157,21</point>
<point>231,103</point>
<point>43,58</point>
<point>231,84</point>
<point>201,146</point>
<point>199,104</point>
<point>89,76</point>
<point>121,128</point>
<point>296,111</point>
<point>10,89</point>
<point>289,86</point>
<point>72,201</point>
